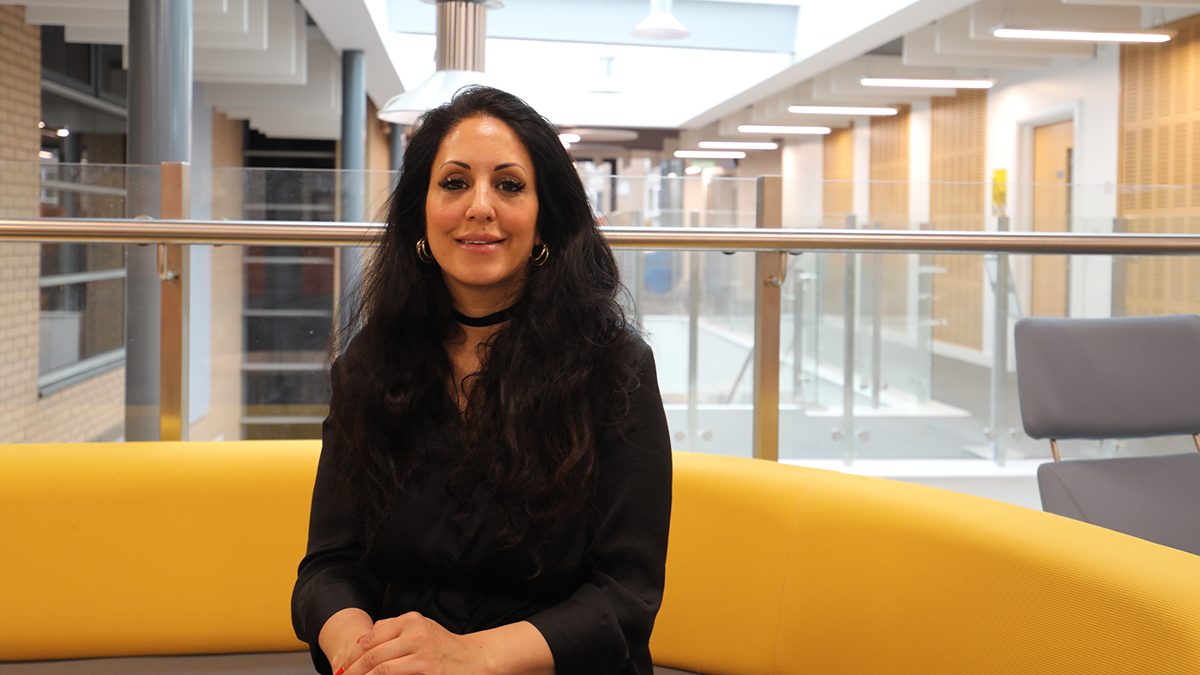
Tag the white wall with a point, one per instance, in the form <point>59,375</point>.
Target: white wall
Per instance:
<point>920,160</point>
<point>862,171</point>
<point>1088,92</point>
<point>803,172</point>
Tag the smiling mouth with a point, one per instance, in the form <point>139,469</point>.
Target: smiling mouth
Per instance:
<point>479,242</point>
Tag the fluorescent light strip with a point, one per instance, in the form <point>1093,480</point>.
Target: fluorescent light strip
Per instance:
<point>838,110</point>
<point>925,84</point>
<point>772,129</point>
<point>736,145</point>
<point>569,138</point>
<point>709,154</point>
<point>1080,35</point>
<point>693,170</point>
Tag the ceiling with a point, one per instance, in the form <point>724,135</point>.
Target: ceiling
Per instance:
<point>277,64</point>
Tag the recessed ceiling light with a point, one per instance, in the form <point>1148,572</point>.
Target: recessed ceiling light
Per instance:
<point>839,110</point>
<point>710,154</point>
<point>775,129</point>
<point>925,84</point>
<point>1080,35</point>
<point>736,145</point>
<point>693,170</point>
<point>569,138</point>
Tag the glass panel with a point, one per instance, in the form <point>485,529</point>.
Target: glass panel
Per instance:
<point>81,327</point>
<point>80,321</point>
<point>921,326</point>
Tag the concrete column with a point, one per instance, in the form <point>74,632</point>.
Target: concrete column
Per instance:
<point>160,120</point>
<point>396,141</point>
<point>354,162</point>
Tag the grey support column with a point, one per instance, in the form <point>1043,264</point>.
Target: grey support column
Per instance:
<point>354,162</point>
<point>397,145</point>
<point>160,127</point>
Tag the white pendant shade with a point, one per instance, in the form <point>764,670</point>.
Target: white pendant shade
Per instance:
<point>660,26</point>
<point>438,89</point>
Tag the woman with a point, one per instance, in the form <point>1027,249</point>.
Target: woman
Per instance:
<point>493,493</point>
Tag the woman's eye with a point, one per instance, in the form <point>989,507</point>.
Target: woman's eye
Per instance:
<point>511,185</point>
<point>452,184</point>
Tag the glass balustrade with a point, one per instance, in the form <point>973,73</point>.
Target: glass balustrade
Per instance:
<point>883,355</point>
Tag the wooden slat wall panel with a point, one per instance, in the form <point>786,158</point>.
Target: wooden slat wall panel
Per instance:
<point>889,170</point>
<point>838,172</point>
<point>957,201</point>
<point>889,201</point>
<point>837,200</point>
<point>1160,126</point>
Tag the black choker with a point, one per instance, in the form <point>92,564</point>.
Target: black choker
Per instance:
<point>480,322</point>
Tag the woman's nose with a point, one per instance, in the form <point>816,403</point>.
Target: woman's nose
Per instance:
<point>481,207</point>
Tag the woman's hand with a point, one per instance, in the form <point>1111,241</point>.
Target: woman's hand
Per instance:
<point>414,645</point>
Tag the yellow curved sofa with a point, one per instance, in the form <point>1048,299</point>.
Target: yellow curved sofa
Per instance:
<point>191,548</point>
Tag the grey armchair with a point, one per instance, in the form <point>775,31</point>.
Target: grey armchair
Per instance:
<point>1110,379</point>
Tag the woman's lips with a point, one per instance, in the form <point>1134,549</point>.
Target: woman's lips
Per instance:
<point>479,244</point>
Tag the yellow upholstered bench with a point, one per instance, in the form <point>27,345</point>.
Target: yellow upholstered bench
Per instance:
<point>142,549</point>
<point>780,570</point>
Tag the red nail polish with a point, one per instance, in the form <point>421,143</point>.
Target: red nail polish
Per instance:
<point>339,672</point>
<point>360,637</point>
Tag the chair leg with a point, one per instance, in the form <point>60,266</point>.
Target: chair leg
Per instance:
<point>1054,448</point>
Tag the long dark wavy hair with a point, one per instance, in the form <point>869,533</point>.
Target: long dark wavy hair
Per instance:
<point>525,447</point>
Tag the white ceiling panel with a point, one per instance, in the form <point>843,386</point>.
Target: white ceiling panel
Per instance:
<point>284,62</point>
<point>1137,3</point>
<point>235,20</point>
<point>954,38</point>
<point>987,15</point>
<point>920,49</point>
<point>256,35</point>
<point>361,25</point>
<point>322,93</point>
<point>89,17</point>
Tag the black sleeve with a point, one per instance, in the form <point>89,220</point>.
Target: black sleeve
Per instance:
<point>606,622</point>
<point>333,574</point>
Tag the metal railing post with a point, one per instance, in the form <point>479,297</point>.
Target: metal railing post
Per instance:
<point>1119,272</point>
<point>693,412</point>
<point>798,279</point>
<point>876,328</point>
<point>173,271</point>
<point>999,421</point>
<point>849,309</point>
<point>769,268</point>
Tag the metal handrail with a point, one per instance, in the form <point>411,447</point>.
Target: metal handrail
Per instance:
<point>298,233</point>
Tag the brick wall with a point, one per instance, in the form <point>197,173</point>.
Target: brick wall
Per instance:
<point>92,409</point>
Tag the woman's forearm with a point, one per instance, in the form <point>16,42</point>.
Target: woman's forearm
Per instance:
<point>515,649</point>
<point>341,632</point>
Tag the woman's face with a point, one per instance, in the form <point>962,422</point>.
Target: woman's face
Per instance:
<point>481,214</point>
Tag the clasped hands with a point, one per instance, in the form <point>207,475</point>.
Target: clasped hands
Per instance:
<point>412,644</point>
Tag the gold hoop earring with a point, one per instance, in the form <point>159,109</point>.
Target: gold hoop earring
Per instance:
<point>423,253</point>
<point>541,257</point>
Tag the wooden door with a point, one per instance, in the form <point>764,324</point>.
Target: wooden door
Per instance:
<point>1053,148</point>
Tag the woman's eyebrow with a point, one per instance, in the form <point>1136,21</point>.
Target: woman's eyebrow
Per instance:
<point>501,167</point>
<point>455,161</point>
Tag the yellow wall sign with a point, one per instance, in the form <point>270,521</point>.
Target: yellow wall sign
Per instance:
<point>999,191</point>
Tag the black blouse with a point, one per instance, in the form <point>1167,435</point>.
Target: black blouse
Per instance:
<point>602,577</point>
